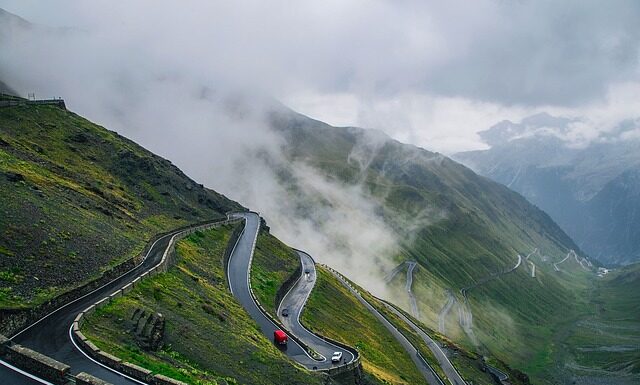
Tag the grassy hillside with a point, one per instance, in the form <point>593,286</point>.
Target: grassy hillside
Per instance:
<point>460,227</point>
<point>77,199</point>
<point>332,311</point>
<point>208,336</point>
<point>273,263</point>
<point>468,364</point>
<point>603,346</point>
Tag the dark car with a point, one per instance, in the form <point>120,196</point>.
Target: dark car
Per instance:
<point>285,312</point>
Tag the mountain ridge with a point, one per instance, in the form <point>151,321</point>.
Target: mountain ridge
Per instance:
<point>570,182</point>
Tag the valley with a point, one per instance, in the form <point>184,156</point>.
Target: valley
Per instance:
<point>491,311</point>
<point>319,193</point>
<point>590,190</point>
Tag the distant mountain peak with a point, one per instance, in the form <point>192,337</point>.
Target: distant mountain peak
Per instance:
<point>540,124</point>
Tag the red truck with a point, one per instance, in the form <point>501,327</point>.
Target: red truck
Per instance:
<point>280,337</point>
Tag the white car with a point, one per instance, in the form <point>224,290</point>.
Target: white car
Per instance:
<point>337,357</point>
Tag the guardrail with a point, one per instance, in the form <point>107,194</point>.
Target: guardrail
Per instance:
<point>42,366</point>
<point>114,363</point>
<point>13,102</point>
<point>330,371</point>
<point>346,283</point>
<point>15,321</point>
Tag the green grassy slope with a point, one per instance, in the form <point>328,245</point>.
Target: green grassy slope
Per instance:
<point>468,364</point>
<point>77,198</point>
<point>460,227</point>
<point>603,345</point>
<point>273,263</point>
<point>208,337</point>
<point>332,311</point>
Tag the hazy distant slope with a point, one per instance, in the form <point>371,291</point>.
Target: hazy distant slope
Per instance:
<point>418,188</point>
<point>77,198</point>
<point>590,191</point>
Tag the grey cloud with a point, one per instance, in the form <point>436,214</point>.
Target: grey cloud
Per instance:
<point>544,53</point>
<point>521,52</point>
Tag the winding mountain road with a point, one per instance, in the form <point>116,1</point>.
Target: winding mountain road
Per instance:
<point>390,275</point>
<point>238,272</point>
<point>412,298</point>
<point>294,302</point>
<point>465,316</point>
<point>555,265</point>
<point>443,360</point>
<point>442,316</point>
<point>411,265</point>
<point>422,365</point>
<point>51,335</point>
<point>532,269</point>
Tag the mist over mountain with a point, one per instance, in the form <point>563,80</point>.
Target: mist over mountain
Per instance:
<point>493,272</point>
<point>590,189</point>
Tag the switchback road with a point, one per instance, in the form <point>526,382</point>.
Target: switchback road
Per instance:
<point>294,302</point>
<point>422,365</point>
<point>238,272</point>
<point>51,335</point>
<point>443,360</point>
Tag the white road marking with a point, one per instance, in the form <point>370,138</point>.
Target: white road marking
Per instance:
<point>26,374</point>
<point>101,364</point>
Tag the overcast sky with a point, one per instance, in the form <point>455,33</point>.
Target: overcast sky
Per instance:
<point>432,73</point>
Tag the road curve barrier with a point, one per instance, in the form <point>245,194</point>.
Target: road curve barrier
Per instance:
<point>345,282</point>
<point>114,363</point>
<point>43,367</point>
<point>354,365</point>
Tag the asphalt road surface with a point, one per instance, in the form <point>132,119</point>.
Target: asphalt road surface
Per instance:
<point>445,364</point>
<point>238,275</point>
<point>294,302</point>
<point>17,376</point>
<point>51,335</point>
<point>442,316</point>
<point>424,368</point>
<point>412,298</point>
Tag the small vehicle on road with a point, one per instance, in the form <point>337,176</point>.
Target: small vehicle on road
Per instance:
<point>285,312</point>
<point>280,337</point>
<point>336,357</point>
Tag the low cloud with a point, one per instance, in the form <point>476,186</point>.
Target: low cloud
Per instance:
<point>426,72</point>
<point>174,77</point>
